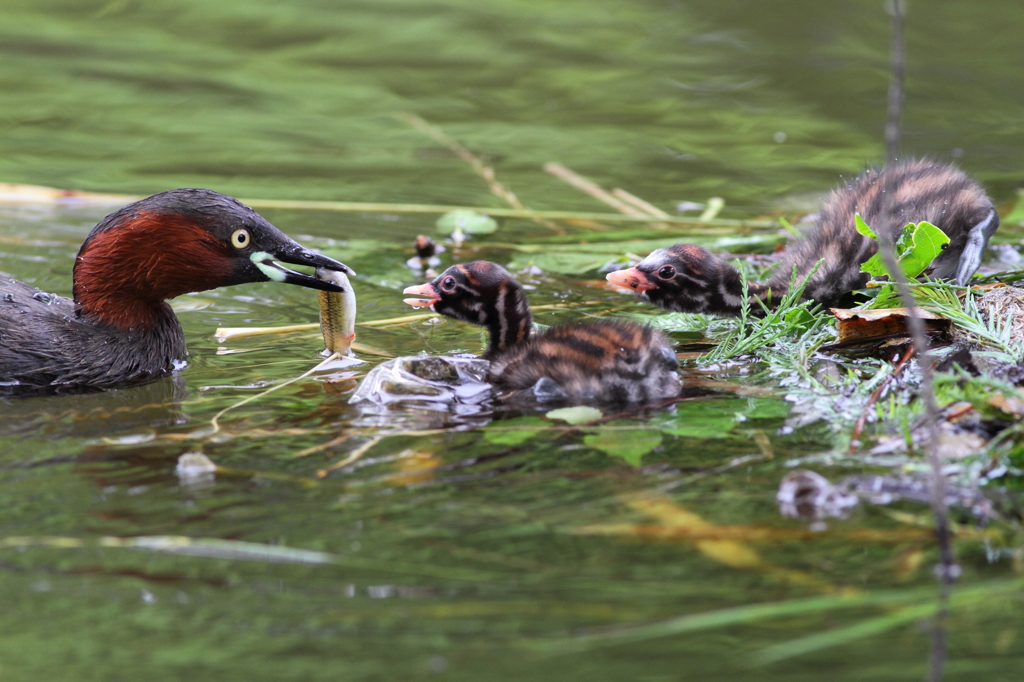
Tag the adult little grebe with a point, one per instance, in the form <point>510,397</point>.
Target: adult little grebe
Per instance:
<point>605,360</point>
<point>118,331</point>
<point>688,278</point>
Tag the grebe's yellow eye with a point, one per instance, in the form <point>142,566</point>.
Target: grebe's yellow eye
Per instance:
<point>240,239</point>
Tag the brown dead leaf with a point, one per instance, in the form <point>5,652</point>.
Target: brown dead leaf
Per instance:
<point>416,467</point>
<point>1007,404</point>
<point>715,542</point>
<point>864,326</point>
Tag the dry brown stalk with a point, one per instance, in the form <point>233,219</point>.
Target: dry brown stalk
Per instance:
<point>590,188</point>
<point>645,207</point>
<point>356,454</point>
<point>619,199</point>
<point>324,446</point>
<point>475,162</point>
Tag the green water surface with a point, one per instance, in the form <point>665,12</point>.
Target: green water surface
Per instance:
<point>459,548</point>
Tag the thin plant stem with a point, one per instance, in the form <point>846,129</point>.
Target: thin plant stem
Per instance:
<point>894,110</point>
<point>215,422</point>
<point>947,570</point>
<point>875,395</point>
<point>19,194</point>
<point>355,455</point>
<point>222,334</point>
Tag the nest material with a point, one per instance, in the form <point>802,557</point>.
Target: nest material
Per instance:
<point>1005,304</point>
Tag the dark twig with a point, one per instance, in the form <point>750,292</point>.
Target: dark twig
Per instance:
<point>937,652</point>
<point>859,426</point>
<point>931,417</point>
<point>947,570</point>
<point>895,106</point>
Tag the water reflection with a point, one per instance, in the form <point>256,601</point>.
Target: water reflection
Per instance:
<point>675,102</point>
<point>139,410</point>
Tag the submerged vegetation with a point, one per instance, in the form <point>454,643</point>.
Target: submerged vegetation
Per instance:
<point>784,373</point>
<point>860,400</point>
<point>244,520</point>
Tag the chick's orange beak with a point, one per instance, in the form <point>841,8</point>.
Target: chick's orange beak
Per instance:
<point>631,279</point>
<point>425,290</point>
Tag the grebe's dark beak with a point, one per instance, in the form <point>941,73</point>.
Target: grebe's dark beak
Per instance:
<point>426,290</point>
<point>632,278</point>
<point>294,254</point>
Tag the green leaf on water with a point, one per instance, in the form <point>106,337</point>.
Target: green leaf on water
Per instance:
<point>716,418</point>
<point>767,408</point>
<point>581,414</point>
<point>704,419</point>
<point>630,445</point>
<point>514,431</point>
<point>468,221</point>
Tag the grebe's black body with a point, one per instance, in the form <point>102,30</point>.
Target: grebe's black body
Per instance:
<point>688,278</point>
<point>598,360</point>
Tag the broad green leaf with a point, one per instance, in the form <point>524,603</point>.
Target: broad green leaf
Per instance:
<point>468,221</point>
<point>905,240</point>
<point>581,414</point>
<point>514,431</point>
<point>767,408</point>
<point>684,336</point>
<point>916,248</point>
<point>716,418</point>
<point>703,419</point>
<point>927,242</point>
<point>888,297</point>
<point>874,266</point>
<point>630,445</point>
<point>863,228</point>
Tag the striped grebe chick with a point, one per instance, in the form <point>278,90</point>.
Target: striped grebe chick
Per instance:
<point>688,278</point>
<point>601,360</point>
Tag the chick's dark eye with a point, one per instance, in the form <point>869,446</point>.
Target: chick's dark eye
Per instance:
<point>448,284</point>
<point>667,272</point>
